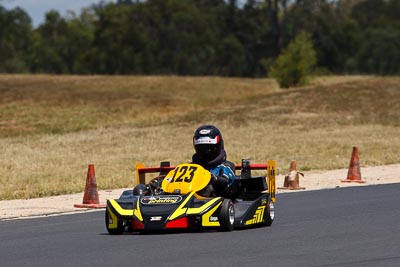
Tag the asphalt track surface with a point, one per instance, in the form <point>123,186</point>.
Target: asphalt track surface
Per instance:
<point>357,226</point>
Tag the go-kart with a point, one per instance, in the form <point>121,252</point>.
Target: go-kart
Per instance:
<point>173,200</point>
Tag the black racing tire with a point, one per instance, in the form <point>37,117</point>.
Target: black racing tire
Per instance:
<point>270,213</point>
<point>117,231</point>
<point>226,216</point>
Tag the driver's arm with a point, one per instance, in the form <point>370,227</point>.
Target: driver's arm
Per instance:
<point>223,177</point>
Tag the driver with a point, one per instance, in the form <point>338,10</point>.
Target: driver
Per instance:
<point>211,155</point>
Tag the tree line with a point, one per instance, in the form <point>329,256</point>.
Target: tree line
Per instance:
<point>202,37</point>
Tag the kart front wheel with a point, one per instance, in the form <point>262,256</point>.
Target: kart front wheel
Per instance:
<point>113,231</point>
<point>226,216</point>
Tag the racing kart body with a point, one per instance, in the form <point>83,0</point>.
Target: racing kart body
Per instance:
<point>173,200</point>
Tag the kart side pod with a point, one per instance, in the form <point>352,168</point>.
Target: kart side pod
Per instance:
<point>270,168</point>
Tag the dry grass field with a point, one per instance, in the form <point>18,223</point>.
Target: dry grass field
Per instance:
<point>52,127</point>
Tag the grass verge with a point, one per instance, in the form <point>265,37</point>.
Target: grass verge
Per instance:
<point>52,127</point>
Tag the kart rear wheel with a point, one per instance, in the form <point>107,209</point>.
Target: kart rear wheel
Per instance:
<point>226,216</point>
<point>113,231</point>
<point>270,214</point>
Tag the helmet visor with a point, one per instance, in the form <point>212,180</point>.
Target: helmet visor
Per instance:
<point>208,152</point>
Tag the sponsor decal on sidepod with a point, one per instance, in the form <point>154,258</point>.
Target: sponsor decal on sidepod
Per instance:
<point>161,200</point>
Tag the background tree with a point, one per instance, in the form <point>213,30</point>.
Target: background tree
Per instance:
<point>380,53</point>
<point>254,32</point>
<point>295,63</point>
<point>15,40</point>
<point>278,13</point>
<point>50,49</point>
<point>202,37</point>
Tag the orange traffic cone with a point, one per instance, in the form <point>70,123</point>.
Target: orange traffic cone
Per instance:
<point>354,174</point>
<point>90,197</point>
<point>292,180</point>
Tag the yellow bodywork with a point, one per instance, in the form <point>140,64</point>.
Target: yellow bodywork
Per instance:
<point>182,209</point>
<point>186,178</point>
<point>271,172</point>
<point>140,178</point>
<point>113,220</point>
<point>119,209</point>
<point>113,223</point>
<point>258,216</point>
<point>206,218</point>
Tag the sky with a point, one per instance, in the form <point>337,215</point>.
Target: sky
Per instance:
<point>38,8</point>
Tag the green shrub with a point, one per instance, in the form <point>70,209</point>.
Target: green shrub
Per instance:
<point>295,63</point>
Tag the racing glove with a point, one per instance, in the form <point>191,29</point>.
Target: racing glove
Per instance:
<point>220,182</point>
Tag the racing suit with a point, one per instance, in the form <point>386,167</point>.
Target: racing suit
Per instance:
<point>223,176</point>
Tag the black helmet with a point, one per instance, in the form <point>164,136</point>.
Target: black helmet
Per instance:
<point>208,142</point>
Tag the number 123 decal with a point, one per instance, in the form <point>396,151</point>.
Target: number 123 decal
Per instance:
<point>183,174</point>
